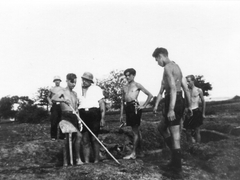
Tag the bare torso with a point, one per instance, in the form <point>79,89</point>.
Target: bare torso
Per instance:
<point>174,69</point>
<point>55,90</point>
<point>130,92</point>
<point>71,97</point>
<point>195,96</point>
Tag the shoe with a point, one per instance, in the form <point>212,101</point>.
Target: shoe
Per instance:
<point>79,162</point>
<point>131,156</point>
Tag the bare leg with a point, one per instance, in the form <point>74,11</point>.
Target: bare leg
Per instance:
<point>136,139</point>
<point>188,136</point>
<point>135,143</point>
<point>96,149</point>
<point>77,148</point>
<point>197,135</point>
<point>86,146</point>
<point>176,135</point>
<point>163,130</point>
<point>139,147</point>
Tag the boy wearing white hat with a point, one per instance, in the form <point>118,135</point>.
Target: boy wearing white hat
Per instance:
<point>55,109</point>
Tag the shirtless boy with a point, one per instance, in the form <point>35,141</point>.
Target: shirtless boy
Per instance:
<point>55,109</point>
<point>192,123</point>
<point>169,128</point>
<point>67,97</point>
<point>133,110</point>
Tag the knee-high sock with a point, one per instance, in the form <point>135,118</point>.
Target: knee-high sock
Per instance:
<point>177,159</point>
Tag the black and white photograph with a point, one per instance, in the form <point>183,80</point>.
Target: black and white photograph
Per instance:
<point>120,90</point>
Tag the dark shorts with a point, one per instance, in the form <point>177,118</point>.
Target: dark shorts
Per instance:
<point>193,121</point>
<point>55,107</point>
<point>133,116</point>
<point>178,109</point>
<point>70,117</point>
<point>92,119</point>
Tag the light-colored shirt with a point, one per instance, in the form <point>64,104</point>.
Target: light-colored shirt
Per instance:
<point>93,95</point>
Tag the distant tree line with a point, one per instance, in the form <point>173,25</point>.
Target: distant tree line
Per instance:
<point>35,110</point>
<point>23,109</point>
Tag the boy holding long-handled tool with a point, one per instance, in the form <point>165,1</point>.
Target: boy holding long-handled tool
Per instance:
<point>69,104</point>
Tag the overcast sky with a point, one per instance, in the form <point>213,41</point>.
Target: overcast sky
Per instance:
<point>40,39</point>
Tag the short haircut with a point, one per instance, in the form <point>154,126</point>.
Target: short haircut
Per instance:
<point>158,51</point>
<point>130,70</point>
<point>192,77</point>
<point>71,77</point>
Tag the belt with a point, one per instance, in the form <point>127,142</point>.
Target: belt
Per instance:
<point>196,109</point>
<point>56,103</point>
<point>68,112</point>
<point>131,102</point>
<point>88,109</point>
<point>178,93</point>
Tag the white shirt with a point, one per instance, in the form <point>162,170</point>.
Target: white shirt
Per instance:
<point>93,95</point>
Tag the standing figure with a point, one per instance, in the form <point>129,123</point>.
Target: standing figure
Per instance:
<point>169,127</point>
<point>92,112</point>
<point>69,101</point>
<point>133,110</point>
<point>55,116</point>
<point>192,123</point>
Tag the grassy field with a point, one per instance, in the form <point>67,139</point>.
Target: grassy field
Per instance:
<point>26,151</point>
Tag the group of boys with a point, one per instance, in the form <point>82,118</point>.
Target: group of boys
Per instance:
<point>91,108</point>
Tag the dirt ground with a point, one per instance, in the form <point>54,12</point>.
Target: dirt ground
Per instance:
<point>27,152</point>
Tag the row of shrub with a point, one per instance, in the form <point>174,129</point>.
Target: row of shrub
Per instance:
<point>32,114</point>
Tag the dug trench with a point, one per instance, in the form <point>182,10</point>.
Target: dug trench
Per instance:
<point>26,152</point>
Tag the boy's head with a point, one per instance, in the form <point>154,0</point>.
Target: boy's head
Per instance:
<point>190,81</point>
<point>130,74</point>
<point>71,80</point>
<point>71,77</point>
<point>158,51</point>
<point>130,71</point>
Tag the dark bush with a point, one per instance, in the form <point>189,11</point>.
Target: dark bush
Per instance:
<point>31,114</point>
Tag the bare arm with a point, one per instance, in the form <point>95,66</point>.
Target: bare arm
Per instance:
<point>144,90</point>
<point>186,91</point>
<point>122,106</point>
<point>103,111</point>
<point>49,97</point>
<point>159,97</point>
<point>173,92</point>
<point>203,102</point>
